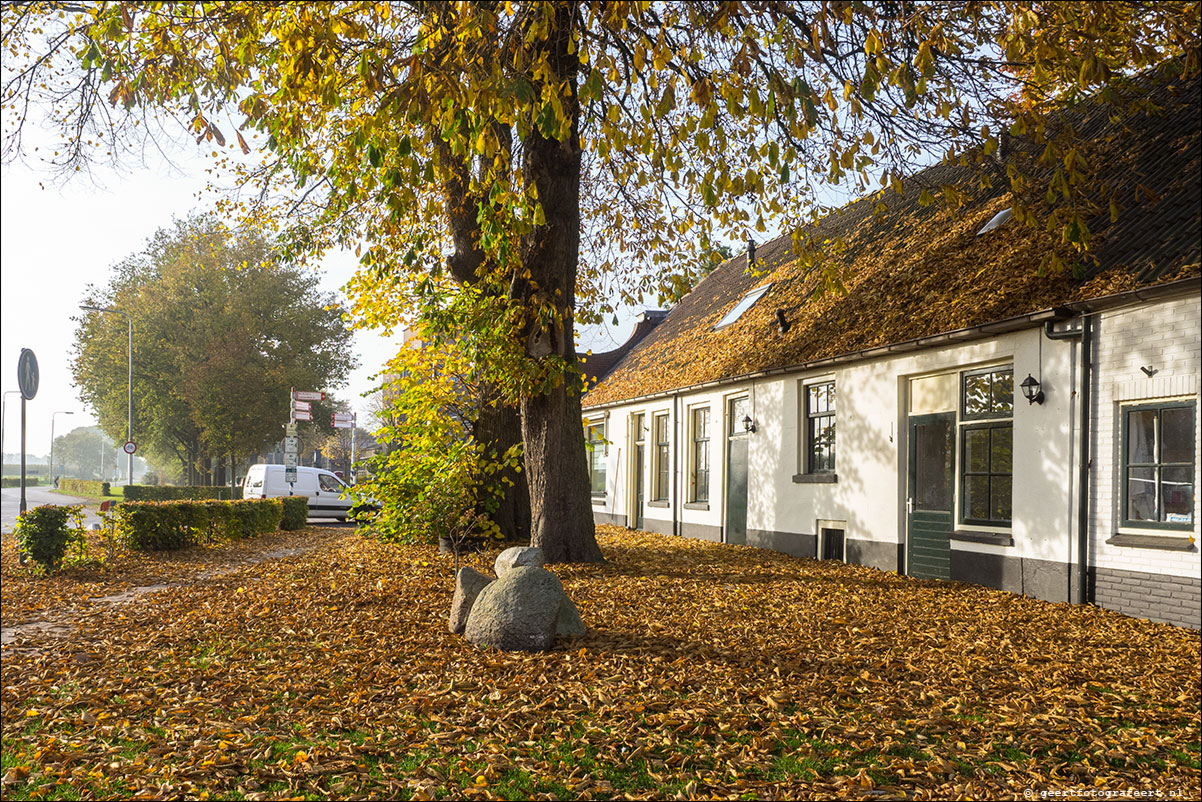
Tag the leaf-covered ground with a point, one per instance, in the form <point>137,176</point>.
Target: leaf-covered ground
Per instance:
<point>710,671</point>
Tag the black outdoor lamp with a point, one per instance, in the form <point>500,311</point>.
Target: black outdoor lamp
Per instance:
<point>1031,391</point>
<point>748,424</point>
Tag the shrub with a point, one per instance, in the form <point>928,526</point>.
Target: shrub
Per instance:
<point>44,534</point>
<point>85,487</point>
<point>169,525</point>
<point>296,512</point>
<point>172,493</point>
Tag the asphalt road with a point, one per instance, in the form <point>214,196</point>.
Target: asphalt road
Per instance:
<point>10,504</point>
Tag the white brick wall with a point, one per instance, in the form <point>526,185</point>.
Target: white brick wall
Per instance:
<point>1165,337</point>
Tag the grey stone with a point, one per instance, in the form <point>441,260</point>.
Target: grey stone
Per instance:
<point>568,622</point>
<point>468,584</point>
<point>519,556</point>
<point>518,612</point>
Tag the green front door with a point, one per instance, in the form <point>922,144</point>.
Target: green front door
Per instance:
<point>930,510</point>
<point>736,472</point>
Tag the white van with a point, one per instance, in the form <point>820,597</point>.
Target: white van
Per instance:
<point>328,496</point>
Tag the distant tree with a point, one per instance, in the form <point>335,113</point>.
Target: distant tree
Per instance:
<point>86,453</point>
<point>222,331</point>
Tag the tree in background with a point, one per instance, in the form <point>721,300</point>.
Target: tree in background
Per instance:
<point>87,453</point>
<point>571,155</point>
<point>222,331</point>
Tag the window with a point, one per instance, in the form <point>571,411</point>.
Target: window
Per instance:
<point>745,303</point>
<point>596,458</point>
<point>1159,458</point>
<point>701,455</point>
<point>820,428</point>
<point>986,445</point>
<point>329,483</point>
<point>659,492</point>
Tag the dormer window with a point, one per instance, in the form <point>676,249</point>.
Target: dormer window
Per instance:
<point>743,305</point>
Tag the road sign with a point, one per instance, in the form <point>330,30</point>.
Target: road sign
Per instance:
<point>129,447</point>
<point>302,406</point>
<point>291,459</point>
<point>342,420</point>
<point>292,445</point>
<point>27,374</point>
<point>302,415</point>
<point>342,424</point>
<point>290,475</point>
<point>290,429</point>
<point>308,395</point>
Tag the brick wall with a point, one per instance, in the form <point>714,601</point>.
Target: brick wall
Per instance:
<point>1160,597</point>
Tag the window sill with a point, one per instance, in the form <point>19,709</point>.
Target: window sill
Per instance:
<point>991,538</point>
<point>1161,542</point>
<point>657,504</point>
<point>598,501</point>
<point>697,505</point>
<point>815,478</point>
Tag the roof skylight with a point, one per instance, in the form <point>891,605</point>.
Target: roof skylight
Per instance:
<point>742,306</point>
<point>996,221</point>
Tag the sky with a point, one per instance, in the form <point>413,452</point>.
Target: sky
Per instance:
<point>56,239</point>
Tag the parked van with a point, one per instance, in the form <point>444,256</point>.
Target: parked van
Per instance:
<point>328,496</point>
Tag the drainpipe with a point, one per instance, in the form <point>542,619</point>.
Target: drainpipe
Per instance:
<point>1085,333</point>
<point>676,523</point>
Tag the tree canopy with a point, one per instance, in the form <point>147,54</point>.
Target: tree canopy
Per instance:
<point>573,155</point>
<point>220,336</point>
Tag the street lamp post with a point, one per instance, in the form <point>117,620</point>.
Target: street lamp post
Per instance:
<point>3,418</point>
<point>60,412</point>
<point>129,427</point>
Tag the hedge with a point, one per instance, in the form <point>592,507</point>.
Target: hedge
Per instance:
<point>296,512</point>
<point>86,487</point>
<point>167,525</point>
<point>15,481</point>
<point>172,493</point>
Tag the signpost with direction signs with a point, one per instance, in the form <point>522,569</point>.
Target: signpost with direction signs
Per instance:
<point>299,408</point>
<point>347,420</point>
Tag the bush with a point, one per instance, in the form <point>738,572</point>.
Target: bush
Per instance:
<point>85,487</point>
<point>169,525</point>
<point>296,512</point>
<point>44,534</point>
<point>172,493</point>
<point>15,481</point>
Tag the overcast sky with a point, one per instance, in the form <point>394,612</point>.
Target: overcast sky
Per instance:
<point>54,241</point>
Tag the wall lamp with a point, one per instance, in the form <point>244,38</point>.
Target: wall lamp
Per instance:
<point>1031,390</point>
<point>748,424</point>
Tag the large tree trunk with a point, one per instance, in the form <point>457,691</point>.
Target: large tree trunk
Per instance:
<point>500,428</point>
<point>560,501</point>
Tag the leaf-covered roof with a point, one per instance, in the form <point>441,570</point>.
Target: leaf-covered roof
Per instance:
<point>909,271</point>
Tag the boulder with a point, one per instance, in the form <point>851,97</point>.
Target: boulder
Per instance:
<point>519,556</point>
<point>568,622</point>
<point>468,584</point>
<point>521,611</point>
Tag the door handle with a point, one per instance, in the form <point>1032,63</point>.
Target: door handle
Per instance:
<point>910,505</point>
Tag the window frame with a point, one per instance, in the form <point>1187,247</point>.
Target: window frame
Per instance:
<point>595,445</point>
<point>696,493</point>
<point>988,420</point>
<point>750,299</point>
<point>661,476</point>
<point>1125,410</point>
<point>811,417</point>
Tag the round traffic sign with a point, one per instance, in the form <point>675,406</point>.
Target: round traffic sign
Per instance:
<point>27,374</point>
<point>129,447</point>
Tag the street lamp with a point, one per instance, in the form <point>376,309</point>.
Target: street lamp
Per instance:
<point>60,412</point>
<point>3,417</point>
<point>129,427</point>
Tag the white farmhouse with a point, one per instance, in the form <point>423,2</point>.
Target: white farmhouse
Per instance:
<point>949,412</point>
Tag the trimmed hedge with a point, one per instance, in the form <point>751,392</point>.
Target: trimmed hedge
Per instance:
<point>87,487</point>
<point>172,493</point>
<point>296,512</point>
<point>168,525</point>
<point>15,481</point>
